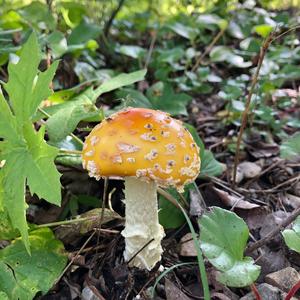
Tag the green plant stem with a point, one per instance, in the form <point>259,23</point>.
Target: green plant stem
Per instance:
<point>66,151</point>
<point>262,54</point>
<point>197,247</point>
<point>71,134</point>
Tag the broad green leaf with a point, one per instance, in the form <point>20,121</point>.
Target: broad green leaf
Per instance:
<point>133,98</point>
<point>83,33</point>
<point>22,275</point>
<point>224,53</point>
<point>291,148</point>
<point>185,31</point>
<point>120,81</point>
<point>171,216</point>
<point>209,165</point>
<point>163,97</point>
<point>292,236</point>
<point>223,238</point>
<point>132,51</point>
<point>57,43</point>
<point>206,20</point>
<point>67,115</point>
<point>37,15</point>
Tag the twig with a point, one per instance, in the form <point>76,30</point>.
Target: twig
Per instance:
<point>112,17</point>
<point>272,166</point>
<point>208,49</point>
<point>293,291</point>
<point>255,292</point>
<point>262,54</point>
<point>140,250</point>
<point>286,32</point>
<point>271,234</point>
<point>85,243</point>
<point>74,258</point>
<point>275,188</point>
<point>151,47</point>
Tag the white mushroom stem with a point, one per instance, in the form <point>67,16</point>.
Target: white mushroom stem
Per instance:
<point>141,225</point>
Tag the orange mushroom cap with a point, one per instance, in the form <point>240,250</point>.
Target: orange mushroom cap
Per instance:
<point>145,143</point>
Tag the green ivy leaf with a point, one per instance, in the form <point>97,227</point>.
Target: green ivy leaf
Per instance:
<point>209,165</point>
<point>263,29</point>
<point>291,148</point>
<point>292,236</point>
<point>163,97</point>
<point>23,275</point>
<point>170,216</point>
<point>28,158</point>
<point>223,239</point>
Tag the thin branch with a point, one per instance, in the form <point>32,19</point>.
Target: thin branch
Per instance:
<point>208,49</point>
<point>151,47</point>
<point>275,231</point>
<point>112,17</point>
<point>262,54</point>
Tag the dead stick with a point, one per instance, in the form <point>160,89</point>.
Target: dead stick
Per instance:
<point>208,49</point>
<point>262,54</point>
<point>271,234</point>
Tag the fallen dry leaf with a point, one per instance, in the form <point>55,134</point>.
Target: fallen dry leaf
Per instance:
<point>173,292</point>
<point>187,247</point>
<point>234,201</point>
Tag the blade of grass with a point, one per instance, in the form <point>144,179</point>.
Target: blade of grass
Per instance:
<point>196,244</point>
<point>165,272</point>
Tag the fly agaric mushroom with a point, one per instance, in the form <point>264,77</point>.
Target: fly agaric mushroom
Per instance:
<point>148,148</point>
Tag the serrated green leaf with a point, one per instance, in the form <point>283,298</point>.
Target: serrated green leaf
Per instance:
<point>25,88</point>
<point>291,148</point>
<point>7,231</point>
<point>292,236</point>
<point>42,175</point>
<point>223,238</point>
<point>8,126</point>
<point>23,275</point>
<point>26,155</point>
<point>13,180</point>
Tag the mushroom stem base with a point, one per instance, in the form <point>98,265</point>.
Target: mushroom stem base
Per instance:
<point>141,225</point>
